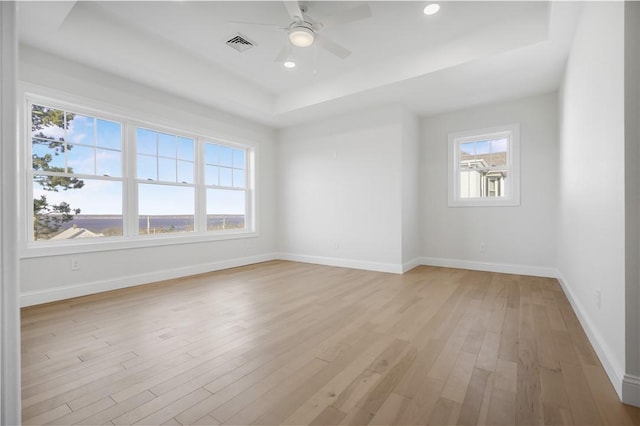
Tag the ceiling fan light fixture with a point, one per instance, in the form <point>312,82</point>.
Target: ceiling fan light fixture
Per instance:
<point>301,36</point>
<point>431,9</point>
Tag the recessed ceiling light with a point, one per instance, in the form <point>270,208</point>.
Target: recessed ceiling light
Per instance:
<point>289,64</point>
<point>432,9</point>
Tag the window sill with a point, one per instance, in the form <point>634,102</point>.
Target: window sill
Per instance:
<point>44,249</point>
<point>477,202</point>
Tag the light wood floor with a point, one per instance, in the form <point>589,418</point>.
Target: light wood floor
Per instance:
<point>291,343</point>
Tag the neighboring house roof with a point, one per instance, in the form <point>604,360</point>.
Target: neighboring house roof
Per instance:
<point>75,232</point>
<point>490,160</point>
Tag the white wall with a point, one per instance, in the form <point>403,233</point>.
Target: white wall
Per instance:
<point>518,239</point>
<point>591,220</point>
<point>340,196</point>
<point>49,278</point>
<point>411,240</point>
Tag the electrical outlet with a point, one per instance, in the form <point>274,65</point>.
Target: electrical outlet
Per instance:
<point>598,298</point>
<point>75,264</point>
<point>483,247</point>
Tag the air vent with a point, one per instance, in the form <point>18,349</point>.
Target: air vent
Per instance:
<point>240,43</point>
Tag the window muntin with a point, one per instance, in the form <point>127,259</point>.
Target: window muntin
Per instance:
<point>483,167</point>
<point>116,185</point>
<point>164,157</point>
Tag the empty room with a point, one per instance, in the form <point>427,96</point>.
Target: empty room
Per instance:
<point>320,212</point>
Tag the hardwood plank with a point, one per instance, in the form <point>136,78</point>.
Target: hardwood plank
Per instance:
<point>329,416</point>
<point>365,410</point>
<point>528,399</point>
<point>457,382</point>
<point>445,412</point>
<point>470,410</point>
<point>119,409</point>
<point>390,410</point>
<point>48,416</point>
<point>583,406</point>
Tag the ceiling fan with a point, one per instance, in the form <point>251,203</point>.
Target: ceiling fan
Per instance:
<point>304,30</point>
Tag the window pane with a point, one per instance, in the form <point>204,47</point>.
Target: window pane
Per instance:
<point>211,175</point>
<point>211,153</point>
<point>80,129</point>
<point>167,146</point>
<point>165,209</point>
<point>147,167</point>
<point>47,155</point>
<point>185,149</point>
<point>47,123</point>
<point>185,171</point>
<point>146,142</point>
<point>109,134</point>
<point>226,156</point>
<point>470,184</point>
<point>483,147</point>
<point>225,209</point>
<point>467,149</point>
<point>225,177</point>
<point>238,178</point>
<point>483,168</point>
<point>499,152</point>
<point>238,159</point>
<point>88,208</point>
<point>81,160</point>
<point>166,170</point>
<point>108,163</point>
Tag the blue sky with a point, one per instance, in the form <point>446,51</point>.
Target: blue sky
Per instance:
<point>95,149</point>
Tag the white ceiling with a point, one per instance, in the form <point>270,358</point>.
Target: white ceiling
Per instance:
<point>469,53</point>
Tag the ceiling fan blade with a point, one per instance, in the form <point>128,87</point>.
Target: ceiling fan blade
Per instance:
<point>357,13</point>
<point>294,11</point>
<point>332,47</point>
<point>274,26</point>
<point>284,53</point>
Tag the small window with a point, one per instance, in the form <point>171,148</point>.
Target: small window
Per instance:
<point>483,167</point>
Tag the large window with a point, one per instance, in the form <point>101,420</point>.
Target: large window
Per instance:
<point>165,169</point>
<point>91,181</point>
<point>76,175</point>
<point>483,167</point>
<point>225,178</point>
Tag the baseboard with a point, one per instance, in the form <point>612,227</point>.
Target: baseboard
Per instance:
<point>614,372</point>
<point>60,293</point>
<point>407,266</point>
<point>505,268</point>
<point>631,390</point>
<point>394,268</point>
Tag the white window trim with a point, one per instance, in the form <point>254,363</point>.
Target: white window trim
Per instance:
<point>513,165</point>
<point>130,121</point>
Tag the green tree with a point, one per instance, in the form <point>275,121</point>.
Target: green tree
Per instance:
<point>49,217</point>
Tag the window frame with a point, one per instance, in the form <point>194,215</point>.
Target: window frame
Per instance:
<point>512,188</point>
<point>130,238</point>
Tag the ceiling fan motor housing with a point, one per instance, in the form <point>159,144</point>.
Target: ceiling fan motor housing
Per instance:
<point>301,34</point>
